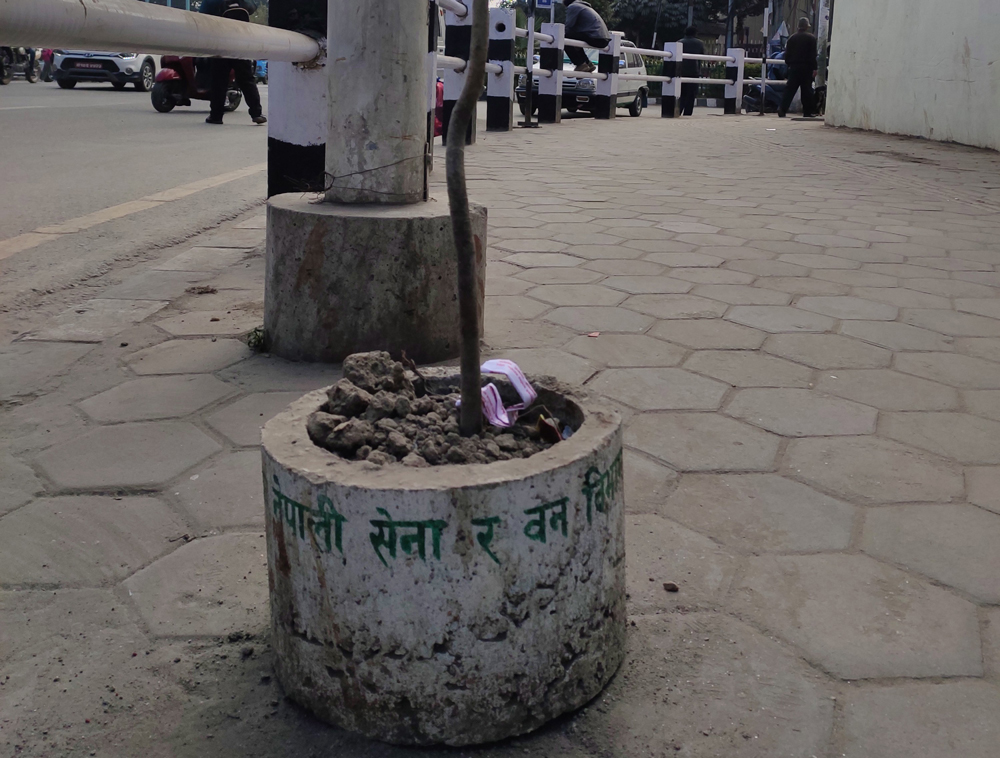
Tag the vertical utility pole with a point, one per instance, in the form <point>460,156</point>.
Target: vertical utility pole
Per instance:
<point>656,24</point>
<point>690,12</point>
<point>729,26</point>
<point>297,112</point>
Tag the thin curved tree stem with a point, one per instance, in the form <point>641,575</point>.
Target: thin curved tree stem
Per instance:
<point>471,419</point>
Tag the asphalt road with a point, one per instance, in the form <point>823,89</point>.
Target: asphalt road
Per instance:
<point>67,153</point>
<point>72,155</point>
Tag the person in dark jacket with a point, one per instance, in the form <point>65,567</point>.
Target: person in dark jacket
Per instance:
<point>694,45</point>
<point>584,23</point>
<point>220,68</point>
<point>800,60</point>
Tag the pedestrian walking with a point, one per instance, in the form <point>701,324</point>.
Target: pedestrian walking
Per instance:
<point>585,24</point>
<point>691,44</point>
<point>800,60</point>
<point>221,68</point>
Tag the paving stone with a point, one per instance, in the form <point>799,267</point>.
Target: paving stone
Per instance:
<point>576,294</point>
<point>801,412</point>
<point>685,260</point>
<point>499,268</point>
<point>861,619</point>
<point>848,308</point>
<point>952,544</point>
<point>955,370</point>
<point>651,389</point>
<point>829,240</point>
<point>797,285</point>
<point>232,237</point>
<point>719,240</point>
<point>18,483</point>
<point>96,320</point>
<point>675,306</point>
<point>226,493</point>
<point>626,350</point>
<point>741,294</point>
<point>965,438</point>
<point>513,307</point>
<point>156,397</point>
<point>700,568</point>
<point>599,319</point>
<point>702,442</point>
<point>769,268</point>
<point>984,403</point>
<point>905,271</point>
<point>745,368</point>
<point>856,278</point>
<point>647,483</point>
<point>577,237</point>
<point>559,276</point>
<point>155,285</point>
<point>501,333</point>
<point>265,373</point>
<point>888,390</point>
<point>708,334</point>
<point>85,541</point>
<point>983,487</point>
<point>188,356</point>
<point>952,323</point>
<point>682,227</point>
<point>982,306</point>
<point>205,259</point>
<point>779,318</point>
<point>872,470</point>
<point>711,276</point>
<point>921,720</point>
<point>213,587</point>
<point>626,268</point>
<point>950,288</point>
<point>210,323</point>
<point>72,660</point>
<point>902,297</point>
<point>242,421</point>
<point>506,285</point>
<point>896,336</point>
<point>144,454</point>
<point>639,233</point>
<point>987,348</point>
<point>28,368</point>
<point>817,260</point>
<point>638,285</point>
<point>991,640</point>
<point>760,513</point>
<point>722,683</point>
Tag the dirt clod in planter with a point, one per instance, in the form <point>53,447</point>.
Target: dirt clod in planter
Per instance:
<point>378,413</point>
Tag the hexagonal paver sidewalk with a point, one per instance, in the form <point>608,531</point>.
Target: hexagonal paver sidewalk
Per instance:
<point>807,361</point>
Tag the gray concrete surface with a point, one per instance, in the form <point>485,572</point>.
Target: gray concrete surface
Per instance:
<point>800,328</point>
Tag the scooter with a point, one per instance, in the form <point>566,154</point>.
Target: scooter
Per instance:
<point>179,81</point>
<point>17,61</point>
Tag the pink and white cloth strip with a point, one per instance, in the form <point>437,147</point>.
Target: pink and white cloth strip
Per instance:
<point>493,406</point>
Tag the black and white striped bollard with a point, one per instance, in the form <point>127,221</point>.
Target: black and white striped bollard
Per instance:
<point>457,41</point>
<point>550,58</point>
<point>671,91</point>
<point>733,102</point>
<point>608,62</point>
<point>500,87</point>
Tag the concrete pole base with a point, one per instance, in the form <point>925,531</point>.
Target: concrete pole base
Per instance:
<point>344,279</point>
<point>457,604</point>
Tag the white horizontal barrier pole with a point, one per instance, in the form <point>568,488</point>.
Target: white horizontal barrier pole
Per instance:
<point>456,7</point>
<point>539,37</point>
<point>643,78</point>
<point>131,25</point>
<point>539,71</point>
<point>715,58</point>
<point>452,63</point>
<point>769,81</point>
<point>574,43</point>
<point>650,52</point>
<point>703,80</point>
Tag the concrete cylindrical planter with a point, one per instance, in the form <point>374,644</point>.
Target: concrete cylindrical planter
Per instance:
<point>456,604</point>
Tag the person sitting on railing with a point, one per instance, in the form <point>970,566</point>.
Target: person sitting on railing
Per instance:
<point>585,24</point>
<point>220,68</point>
<point>692,69</point>
<point>800,59</point>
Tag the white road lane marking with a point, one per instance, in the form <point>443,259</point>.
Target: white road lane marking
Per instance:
<point>28,240</point>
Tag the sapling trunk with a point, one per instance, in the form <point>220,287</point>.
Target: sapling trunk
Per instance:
<point>471,415</point>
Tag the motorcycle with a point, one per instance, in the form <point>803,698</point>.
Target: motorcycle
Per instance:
<point>181,80</point>
<point>18,61</point>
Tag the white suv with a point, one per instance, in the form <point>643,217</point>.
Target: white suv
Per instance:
<point>72,66</point>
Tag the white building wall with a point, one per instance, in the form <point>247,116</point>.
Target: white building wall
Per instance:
<point>929,68</point>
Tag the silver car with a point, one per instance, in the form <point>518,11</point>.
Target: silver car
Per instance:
<point>119,69</point>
